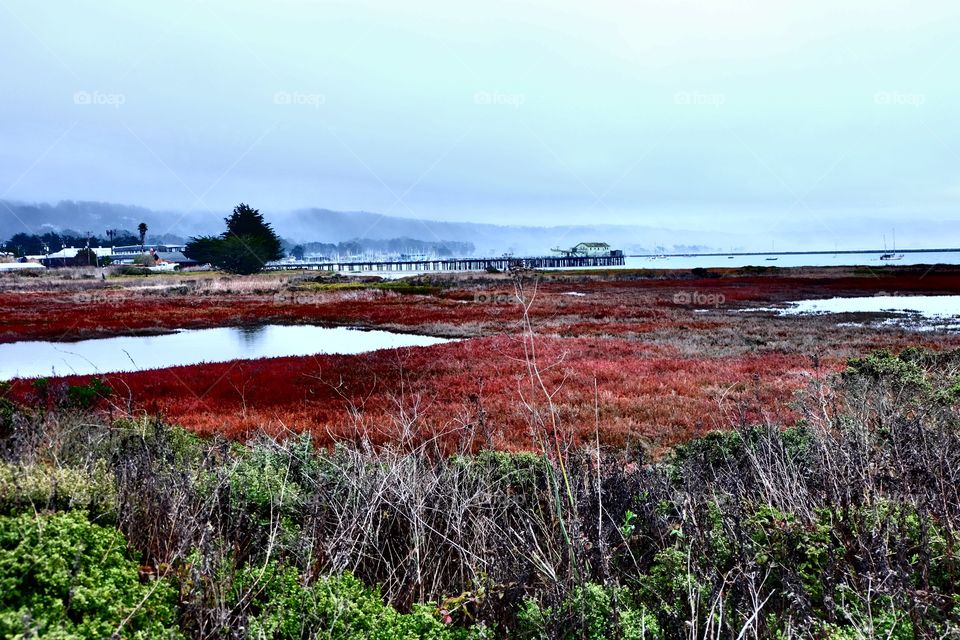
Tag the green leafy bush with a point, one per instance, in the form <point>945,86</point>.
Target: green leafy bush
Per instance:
<point>263,483</point>
<point>87,395</point>
<point>670,585</point>
<point>40,487</point>
<point>590,612</point>
<point>525,471</point>
<point>126,270</point>
<point>882,365</point>
<point>333,607</point>
<point>63,577</point>
<point>783,544</point>
<point>7,410</point>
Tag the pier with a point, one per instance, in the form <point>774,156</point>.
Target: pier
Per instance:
<point>504,263</point>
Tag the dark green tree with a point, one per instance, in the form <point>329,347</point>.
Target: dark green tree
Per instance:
<point>245,247</point>
<point>25,244</point>
<point>243,254</point>
<point>204,249</point>
<point>298,252</point>
<point>86,258</point>
<point>142,228</point>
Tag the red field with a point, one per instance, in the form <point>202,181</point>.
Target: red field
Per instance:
<point>472,391</point>
<point>624,356</point>
<point>627,304</point>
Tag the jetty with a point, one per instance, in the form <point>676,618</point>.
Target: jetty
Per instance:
<point>502,263</point>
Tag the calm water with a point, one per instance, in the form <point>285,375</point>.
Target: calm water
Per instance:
<point>794,260</point>
<point>136,353</point>
<point>915,312</point>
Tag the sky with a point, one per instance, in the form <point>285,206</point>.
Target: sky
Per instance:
<point>830,122</point>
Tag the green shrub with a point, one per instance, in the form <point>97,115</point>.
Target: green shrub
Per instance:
<point>782,544</point>
<point>532,621</point>
<point>262,483</point>
<point>700,272</point>
<point>42,487</point>
<point>526,471</point>
<point>333,607</point>
<point>714,449</point>
<point>177,447</point>
<point>127,270</point>
<point>63,577</point>
<point>7,410</point>
<point>669,585</point>
<point>882,365</point>
<point>879,620</point>
<point>590,612</point>
<point>87,395</point>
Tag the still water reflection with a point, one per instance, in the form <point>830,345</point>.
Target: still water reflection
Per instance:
<point>136,353</point>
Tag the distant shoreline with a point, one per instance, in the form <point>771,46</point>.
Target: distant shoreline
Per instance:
<point>790,253</point>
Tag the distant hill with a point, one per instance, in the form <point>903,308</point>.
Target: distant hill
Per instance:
<point>97,217</point>
<point>324,225</point>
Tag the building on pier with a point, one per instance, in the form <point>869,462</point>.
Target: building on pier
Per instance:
<point>588,250</point>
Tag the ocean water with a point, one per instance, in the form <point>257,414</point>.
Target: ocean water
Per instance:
<point>793,260</point>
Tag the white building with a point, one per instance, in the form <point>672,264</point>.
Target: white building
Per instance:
<point>69,253</point>
<point>127,254</point>
<point>20,266</point>
<point>587,250</point>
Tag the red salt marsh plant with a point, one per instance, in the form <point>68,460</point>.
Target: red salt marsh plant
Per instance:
<point>479,306</point>
<point>657,371</point>
<point>470,392</point>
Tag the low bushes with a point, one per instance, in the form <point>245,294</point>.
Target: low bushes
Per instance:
<point>333,607</point>
<point>590,612</point>
<point>44,487</point>
<point>63,577</point>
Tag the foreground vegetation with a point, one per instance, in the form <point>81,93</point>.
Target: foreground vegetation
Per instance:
<point>842,526</point>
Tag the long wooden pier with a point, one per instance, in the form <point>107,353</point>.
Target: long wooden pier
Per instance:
<point>503,263</point>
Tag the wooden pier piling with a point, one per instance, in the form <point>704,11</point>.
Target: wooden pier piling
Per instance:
<point>503,263</point>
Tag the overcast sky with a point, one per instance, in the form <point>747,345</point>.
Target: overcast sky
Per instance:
<point>750,115</point>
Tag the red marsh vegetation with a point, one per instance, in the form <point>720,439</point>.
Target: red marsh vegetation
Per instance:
<point>618,303</point>
<point>476,391</point>
<point>625,352</point>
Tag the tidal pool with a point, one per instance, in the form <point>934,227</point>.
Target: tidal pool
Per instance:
<point>915,312</point>
<point>32,359</point>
